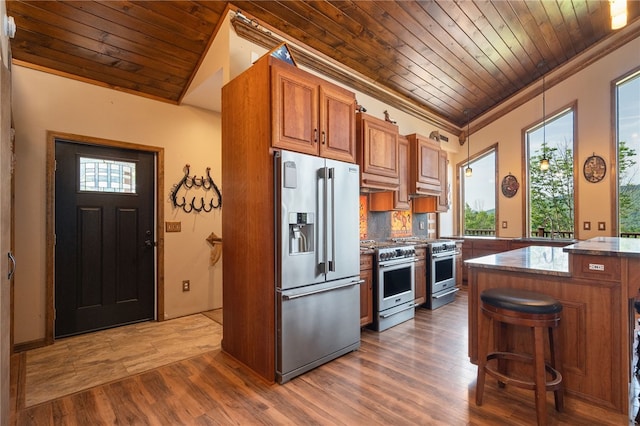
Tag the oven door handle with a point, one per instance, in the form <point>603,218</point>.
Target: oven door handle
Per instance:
<point>455,290</point>
<point>403,261</point>
<point>441,255</point>
<point>397,312</point>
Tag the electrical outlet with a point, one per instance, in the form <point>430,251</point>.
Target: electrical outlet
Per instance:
<point>421,224</point>
<point>173,226</point>
<point>186,285</point>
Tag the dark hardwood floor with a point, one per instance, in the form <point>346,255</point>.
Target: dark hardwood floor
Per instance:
<point>416,373</point>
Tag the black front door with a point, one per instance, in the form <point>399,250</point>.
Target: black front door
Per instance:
<point>104,249</point>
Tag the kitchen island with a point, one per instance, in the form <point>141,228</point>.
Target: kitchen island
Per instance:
<point>596,281</point>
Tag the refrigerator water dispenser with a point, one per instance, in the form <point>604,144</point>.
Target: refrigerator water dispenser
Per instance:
<point>301,233</point>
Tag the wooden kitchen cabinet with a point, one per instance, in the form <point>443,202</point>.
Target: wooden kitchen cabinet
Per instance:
<point>433,204</point>
<point>442,204</point>
<point>312,116</point>
<point>420,276</point>
<point>377,153</point>
<point>395,200</point>
<point>478,247</point>
<point>401,196</point>
<point>426,166</point>
<point>366,289</point>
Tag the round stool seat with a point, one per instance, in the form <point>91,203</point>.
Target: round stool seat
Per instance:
<point>521,301</point>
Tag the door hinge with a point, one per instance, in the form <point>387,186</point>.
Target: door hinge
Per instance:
<point>55,165</point>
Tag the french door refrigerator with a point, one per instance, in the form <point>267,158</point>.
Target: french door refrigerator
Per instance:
<point>317,261</point>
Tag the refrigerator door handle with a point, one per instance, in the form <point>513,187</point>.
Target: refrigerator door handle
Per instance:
<point>325,212</point>
<point>332,262</point>
<point>324,290</point>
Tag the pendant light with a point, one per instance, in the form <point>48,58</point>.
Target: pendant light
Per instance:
<point>468,172</point>
<point>544,163</point>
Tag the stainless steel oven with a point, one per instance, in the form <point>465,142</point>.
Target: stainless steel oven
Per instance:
<point>441,274</point>
<point>394,286</point>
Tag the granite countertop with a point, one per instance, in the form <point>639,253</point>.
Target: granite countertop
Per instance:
<point>606,246</point>
<point>534,259</point>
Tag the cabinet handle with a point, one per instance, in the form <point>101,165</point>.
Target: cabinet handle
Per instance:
<point>324,138</point>
<point>315,135</point>
<point>13,265</point>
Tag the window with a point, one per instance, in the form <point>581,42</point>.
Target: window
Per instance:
<point>479,195</point>
<point>627,104</point>
<point>550,192</point>
<point>101,175</point>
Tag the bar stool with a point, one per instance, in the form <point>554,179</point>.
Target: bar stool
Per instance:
<point>521,308</point>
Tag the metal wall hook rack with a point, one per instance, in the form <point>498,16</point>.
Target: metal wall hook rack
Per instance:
<point>189,182</point>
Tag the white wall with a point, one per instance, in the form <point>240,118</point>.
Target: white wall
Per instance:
<point>43,102</point>
<point>591,89</point>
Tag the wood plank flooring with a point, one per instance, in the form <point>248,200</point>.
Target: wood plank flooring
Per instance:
<point>416,373</point>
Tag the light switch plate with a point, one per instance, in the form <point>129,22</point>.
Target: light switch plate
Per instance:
<point>173,226</point>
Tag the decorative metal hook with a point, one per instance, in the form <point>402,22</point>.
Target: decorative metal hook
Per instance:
<point>188,182</point>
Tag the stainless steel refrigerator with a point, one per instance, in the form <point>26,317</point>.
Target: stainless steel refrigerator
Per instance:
<point>317,261</point>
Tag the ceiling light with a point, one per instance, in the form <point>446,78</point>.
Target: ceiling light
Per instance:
<point>618,13</point>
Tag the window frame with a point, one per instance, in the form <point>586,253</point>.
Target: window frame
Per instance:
<point>526,202</point>
<point>615,152</point>
<point>460,167</point>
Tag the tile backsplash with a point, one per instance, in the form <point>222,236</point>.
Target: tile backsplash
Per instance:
<point>384,225</point>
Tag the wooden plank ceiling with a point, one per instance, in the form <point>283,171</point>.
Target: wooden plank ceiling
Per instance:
<point>443,57</point>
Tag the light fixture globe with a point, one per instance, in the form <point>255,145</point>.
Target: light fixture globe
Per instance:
<point>544,164</point>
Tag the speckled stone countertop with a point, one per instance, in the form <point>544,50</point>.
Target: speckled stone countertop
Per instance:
<point>534,259</point>
<point>606,246</point>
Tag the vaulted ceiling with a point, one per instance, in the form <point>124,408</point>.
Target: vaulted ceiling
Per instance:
<point>440,58</point>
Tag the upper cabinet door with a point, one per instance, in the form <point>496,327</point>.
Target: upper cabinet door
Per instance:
<point>377,153</point>
<point>312,116</point>
<point>337,138</point>
<point>401,196</point>
<point>295,110</point>
<point>443,199</point>
<point>425,173</point>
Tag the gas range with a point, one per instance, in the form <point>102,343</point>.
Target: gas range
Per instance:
<point>386,251</point>
<point>435,246</point>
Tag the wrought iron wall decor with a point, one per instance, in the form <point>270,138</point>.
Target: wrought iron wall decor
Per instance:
<point>205,183</point>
